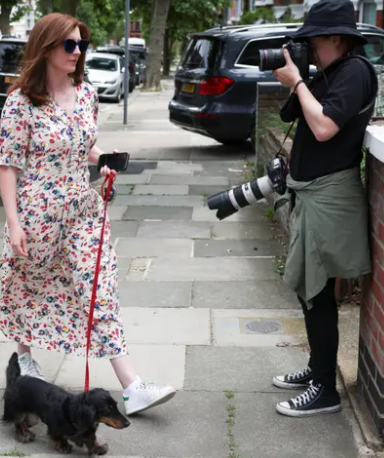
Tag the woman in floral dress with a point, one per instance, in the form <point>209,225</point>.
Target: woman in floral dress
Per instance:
<point>54,217</point>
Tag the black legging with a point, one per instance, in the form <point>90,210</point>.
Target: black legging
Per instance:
<point>321,322</point>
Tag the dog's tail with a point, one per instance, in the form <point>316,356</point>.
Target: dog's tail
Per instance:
<point>13,369</point>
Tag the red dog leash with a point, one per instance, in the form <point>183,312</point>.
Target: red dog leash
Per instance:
<point>105,196</point>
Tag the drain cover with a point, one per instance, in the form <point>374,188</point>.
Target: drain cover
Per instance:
<point>263,326</point>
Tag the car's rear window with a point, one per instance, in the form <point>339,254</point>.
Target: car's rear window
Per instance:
<point>10,57</point>
<point>374,49</point>
<point>200,54</point>
<point>250,55</point>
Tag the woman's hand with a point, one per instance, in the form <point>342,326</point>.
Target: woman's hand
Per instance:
<point>105,171</point>
<point>288,75</point>
<point>18,240</point>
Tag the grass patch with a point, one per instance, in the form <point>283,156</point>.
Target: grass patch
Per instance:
<point>270,213</point>
<point>230,421</point>
<point>249,170</point>
<point>132,189</point>
<point>280,265</point>
<point>14,453</point>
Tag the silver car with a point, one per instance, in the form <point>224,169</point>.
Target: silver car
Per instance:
<point>106,74</point>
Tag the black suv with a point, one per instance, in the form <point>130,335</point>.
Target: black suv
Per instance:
<point>11,53</point>
<point>215,82</point>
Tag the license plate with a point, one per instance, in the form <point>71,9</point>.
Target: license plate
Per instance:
<point>189,88</point>
<point>10,79</point>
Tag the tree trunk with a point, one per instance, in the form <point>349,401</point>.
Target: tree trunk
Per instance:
<point>69,6</point>
<point>156,43</point>
<point>5,20</point>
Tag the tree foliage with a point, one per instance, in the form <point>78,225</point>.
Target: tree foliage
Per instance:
<point>262,14</point>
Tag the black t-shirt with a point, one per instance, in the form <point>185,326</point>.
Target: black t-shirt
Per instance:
<point>348,88</point>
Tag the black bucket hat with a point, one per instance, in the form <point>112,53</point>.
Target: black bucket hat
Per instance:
<point>330,17</point>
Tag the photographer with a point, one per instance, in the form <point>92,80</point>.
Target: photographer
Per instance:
<point>329,237</point>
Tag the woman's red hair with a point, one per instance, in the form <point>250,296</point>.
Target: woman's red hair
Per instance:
<point>50,31</point>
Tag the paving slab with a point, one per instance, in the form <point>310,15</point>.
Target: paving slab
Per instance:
<point>259,229</point>
<point>253,294</point>
<point>49,361</point>
<point>205,190</point>
<point>258,328</point>
<point>150,247</point>
<point>175,168</point>
<point>261,432</point>
<point>163,364</point>
<point>229,169</point>
<point>124,229</point>
<point>239,369</point>
<point>164,201</point>
<point>210,269</point>
<point>131,179</point>
<point>116,212</point>
<point>151,294</point>
<point>161,190</point>
<point>175,229</point>
<point>245,214</point>
<point>189,180</point>
<point>219,248</point>
<point>123,264</point>
<point>173,326</point>
<point>158,213</point>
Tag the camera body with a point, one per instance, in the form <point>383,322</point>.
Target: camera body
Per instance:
<point>272,59</point>
<point>229,202</point>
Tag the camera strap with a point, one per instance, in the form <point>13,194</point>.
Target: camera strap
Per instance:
<point>281,152</point>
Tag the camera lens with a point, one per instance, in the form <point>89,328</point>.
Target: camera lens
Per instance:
<point>271,59</point>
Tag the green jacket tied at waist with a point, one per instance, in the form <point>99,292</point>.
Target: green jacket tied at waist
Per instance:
<point>329,232</point>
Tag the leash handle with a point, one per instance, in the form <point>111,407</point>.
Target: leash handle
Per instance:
<point>105,196</point>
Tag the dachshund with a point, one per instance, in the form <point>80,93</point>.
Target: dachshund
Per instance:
<point>69,417</point>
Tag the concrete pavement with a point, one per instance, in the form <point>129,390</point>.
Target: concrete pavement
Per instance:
<point>203,306</point>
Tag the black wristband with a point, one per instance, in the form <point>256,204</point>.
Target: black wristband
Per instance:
<point>296,85</point>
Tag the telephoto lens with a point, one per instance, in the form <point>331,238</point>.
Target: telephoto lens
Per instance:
<point>229,202</point>
<point>271,59</point>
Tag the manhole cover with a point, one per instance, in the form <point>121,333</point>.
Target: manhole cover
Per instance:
<point>263,326</point>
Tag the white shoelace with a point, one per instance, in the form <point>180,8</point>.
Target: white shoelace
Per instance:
<point>299,374</point>
<point>306,397</point>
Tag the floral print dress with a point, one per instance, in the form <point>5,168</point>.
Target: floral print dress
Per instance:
<point>45,298</point>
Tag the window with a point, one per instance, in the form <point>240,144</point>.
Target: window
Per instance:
<point>102,63</point>
<point>374,49</point>
<point>199,54</point>
<point>10,57</point>
<point>250,54</point>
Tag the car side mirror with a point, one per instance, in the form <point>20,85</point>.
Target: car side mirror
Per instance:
<point>122,69</point>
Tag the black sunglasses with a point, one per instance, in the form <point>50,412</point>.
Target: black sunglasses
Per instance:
<point>70,45</point>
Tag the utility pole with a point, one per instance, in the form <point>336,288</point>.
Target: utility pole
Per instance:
<point>126,73</point>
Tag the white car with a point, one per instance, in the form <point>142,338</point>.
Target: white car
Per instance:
<point>106,74</point>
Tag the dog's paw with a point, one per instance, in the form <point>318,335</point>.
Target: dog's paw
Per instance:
<point>25,436</point>
<point>99,450</point>
<point>32,420</point>
<point>63,447</point>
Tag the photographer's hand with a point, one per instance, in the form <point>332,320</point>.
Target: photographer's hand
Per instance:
<point>288,75</point>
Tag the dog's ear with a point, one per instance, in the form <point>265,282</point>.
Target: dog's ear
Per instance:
<point>86,413</point>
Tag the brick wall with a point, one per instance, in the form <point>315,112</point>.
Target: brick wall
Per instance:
<point>370,381</point>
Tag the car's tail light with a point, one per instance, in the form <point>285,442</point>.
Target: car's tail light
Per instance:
<point>131,68</point>
<point>215,86</point>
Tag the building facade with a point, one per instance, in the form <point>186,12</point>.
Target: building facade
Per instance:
<point>367,11</point>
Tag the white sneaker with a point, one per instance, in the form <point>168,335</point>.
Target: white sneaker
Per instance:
<point>30,367</point>
<point>141,396</point>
